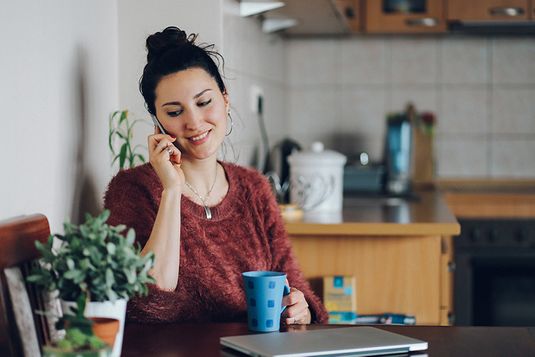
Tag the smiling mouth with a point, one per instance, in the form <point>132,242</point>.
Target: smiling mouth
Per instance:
<point>200,137</point>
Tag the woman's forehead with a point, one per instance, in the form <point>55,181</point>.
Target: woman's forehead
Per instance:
<point>186,84</point>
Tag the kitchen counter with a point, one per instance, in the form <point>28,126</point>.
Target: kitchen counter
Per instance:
<point>398,250</point>
<point>425,213</point>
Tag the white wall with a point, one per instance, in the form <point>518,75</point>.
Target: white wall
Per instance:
<point>140,18</point>
<point>58,73</point>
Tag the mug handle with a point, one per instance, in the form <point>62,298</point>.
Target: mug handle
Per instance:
<point>285,292</point>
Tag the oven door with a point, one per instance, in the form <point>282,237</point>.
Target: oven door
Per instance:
<point>494,282</point>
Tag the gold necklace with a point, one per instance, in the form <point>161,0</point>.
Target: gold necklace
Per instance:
<point>207,210</point>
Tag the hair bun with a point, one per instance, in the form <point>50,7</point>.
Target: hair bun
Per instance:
<point>170,37</point>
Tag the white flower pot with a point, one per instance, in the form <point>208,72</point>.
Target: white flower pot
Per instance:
<point>115,310</point>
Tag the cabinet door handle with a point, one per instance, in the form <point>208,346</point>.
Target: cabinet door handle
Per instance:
<point>422,21</point>
<point>506,11</point>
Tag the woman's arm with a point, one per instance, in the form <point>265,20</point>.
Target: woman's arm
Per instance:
<point>164,241</point>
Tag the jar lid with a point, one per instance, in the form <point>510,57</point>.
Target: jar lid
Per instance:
<point>316,155</point>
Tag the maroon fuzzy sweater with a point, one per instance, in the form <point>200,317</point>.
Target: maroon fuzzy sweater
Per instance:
<point>246,233</point>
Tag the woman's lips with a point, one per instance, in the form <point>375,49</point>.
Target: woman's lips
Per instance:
<point>200,139</point>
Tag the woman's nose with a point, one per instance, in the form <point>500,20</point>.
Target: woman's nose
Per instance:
<point>193,119</point>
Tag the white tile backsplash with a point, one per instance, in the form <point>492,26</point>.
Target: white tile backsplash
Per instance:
<point>464,60</point>
<point>414,60</point>
<point>461,157</point>
<point>362,61</point>
<point>513,110</point>
<point>513,157</point>
<point>513,60</point>
<point>464,111</point>
<point>311,62</point>
<point>361,122</point>
<point>252,58</point>
<point>339,90</point>
<point>313,114</point>
<point>424,98</point>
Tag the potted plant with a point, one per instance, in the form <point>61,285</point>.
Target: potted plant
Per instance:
<point>94,263</point>
<point>83,336</point>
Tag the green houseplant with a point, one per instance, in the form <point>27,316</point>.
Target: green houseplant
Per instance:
<point>80,338</point>
<point>94,263</point>
<point>121,129</point>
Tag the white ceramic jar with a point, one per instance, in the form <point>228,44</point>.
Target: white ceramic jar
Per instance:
<point>316,179</point>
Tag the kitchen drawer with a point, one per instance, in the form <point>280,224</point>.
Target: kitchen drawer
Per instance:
<point>488,10</point>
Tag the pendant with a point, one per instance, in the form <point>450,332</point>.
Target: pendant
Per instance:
<point>208,212</point>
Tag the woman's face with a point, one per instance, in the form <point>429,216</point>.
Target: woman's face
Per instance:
<point>191,107</point>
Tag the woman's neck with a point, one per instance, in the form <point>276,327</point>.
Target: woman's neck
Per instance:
<point>201,174</point>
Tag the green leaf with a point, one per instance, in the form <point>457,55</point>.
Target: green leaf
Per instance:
<point>124,115</point>
<point>122,155</point>
<point>110,280</point>
<point>110,247</point>
<point>71,274</point>
<point>130,236</point>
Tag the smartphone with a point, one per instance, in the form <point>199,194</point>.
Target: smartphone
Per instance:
<point>162,130</point>
<point>157,123</point>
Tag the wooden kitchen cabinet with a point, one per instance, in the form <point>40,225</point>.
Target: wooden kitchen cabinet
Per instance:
<point>396,274</point>
<point>350,12</point>
<point>489,10</point>
<point>400,256</point>
<point>404,16</point>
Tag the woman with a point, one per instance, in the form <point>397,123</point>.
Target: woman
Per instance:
<point>207,221</point>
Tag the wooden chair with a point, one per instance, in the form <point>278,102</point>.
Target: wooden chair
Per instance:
<point>22,331</point>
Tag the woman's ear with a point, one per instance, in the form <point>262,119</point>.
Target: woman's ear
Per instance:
<point>226,99</point>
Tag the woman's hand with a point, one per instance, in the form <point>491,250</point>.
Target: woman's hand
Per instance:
<point>165,158</point>
<point>297,312</point>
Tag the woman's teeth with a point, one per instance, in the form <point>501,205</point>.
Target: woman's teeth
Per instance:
<point>199,137</point>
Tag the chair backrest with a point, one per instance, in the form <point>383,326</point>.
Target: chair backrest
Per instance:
<point>22,331</point>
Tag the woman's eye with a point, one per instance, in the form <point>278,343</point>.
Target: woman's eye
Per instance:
<point>174,113</point>
<point>202,104</point>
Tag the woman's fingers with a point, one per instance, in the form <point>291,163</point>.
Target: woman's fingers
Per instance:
<point>296,308</point>
<point>302,318</point>
<point>174,154</point>
<point>155,139</point>
<point>293,297</point>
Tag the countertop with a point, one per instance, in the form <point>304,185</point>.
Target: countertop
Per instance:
<point>424,213</point>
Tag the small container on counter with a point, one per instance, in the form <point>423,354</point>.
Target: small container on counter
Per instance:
<point>316,179</point>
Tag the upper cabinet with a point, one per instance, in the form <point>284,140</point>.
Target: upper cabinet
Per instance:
<point>489,10</point>
<point>350,12</point>
<point>344,17</point>
<point>404,16</point>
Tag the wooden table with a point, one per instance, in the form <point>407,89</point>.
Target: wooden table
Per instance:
<point>203,339</point>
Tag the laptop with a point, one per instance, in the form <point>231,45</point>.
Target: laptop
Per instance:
<point>354,341</point>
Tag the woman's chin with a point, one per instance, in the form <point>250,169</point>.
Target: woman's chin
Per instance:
<point>198,155</point>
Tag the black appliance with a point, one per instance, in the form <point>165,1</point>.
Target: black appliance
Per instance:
<point>494,281</point>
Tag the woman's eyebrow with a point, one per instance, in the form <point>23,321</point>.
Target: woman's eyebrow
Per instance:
<point>194,97</point>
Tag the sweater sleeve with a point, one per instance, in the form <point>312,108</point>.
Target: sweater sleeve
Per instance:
<point>131,199</point>
<point>283,258</point>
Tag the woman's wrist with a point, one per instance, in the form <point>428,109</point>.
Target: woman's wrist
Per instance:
<point>172,192</point>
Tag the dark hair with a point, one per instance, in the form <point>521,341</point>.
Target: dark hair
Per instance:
<point>171,51</point>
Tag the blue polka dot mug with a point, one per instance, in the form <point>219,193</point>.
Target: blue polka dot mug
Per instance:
<point>264,291</point>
